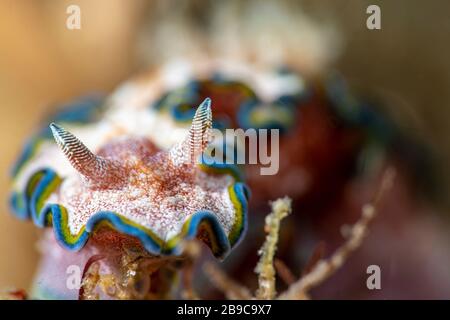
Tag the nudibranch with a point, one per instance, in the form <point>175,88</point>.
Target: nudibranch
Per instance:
<point>126,182</point>
<point>126,195</point>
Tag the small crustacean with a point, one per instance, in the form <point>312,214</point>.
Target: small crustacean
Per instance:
<point>125,203</point>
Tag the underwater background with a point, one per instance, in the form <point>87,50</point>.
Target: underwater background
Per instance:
<point>43,64</point>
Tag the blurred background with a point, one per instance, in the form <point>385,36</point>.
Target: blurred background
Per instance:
<point>42,63</point>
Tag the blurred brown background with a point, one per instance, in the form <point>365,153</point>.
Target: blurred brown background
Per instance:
<point>42,62</point>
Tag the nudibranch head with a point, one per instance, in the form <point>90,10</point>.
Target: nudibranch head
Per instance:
<point>129,184</point>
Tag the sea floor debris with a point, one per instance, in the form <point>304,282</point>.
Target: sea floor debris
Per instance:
<point>317,274</point>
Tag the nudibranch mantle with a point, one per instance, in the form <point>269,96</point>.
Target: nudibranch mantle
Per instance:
<point>133,186</point>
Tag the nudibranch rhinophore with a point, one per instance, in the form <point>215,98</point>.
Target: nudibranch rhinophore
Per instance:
<point>140,189</point>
